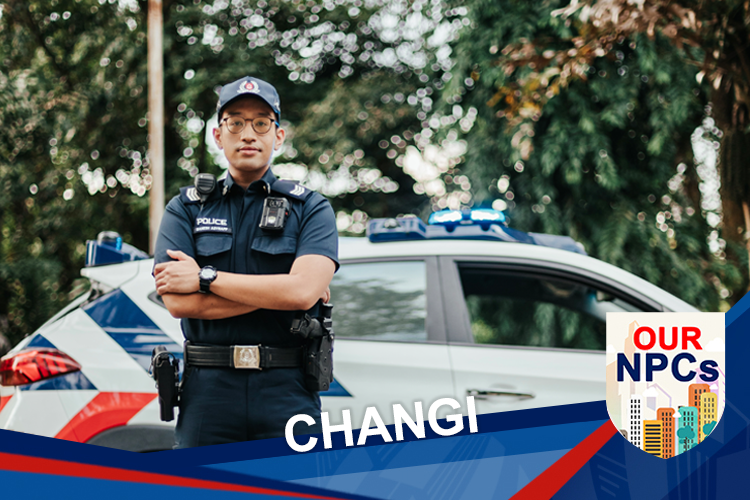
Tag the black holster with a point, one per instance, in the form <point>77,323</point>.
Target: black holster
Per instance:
<point>165,369</point>
<point>318,354</point>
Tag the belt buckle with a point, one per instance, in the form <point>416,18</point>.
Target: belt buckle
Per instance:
<point>247,357</point>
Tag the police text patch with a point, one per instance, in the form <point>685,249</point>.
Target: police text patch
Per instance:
<point>211,225</point>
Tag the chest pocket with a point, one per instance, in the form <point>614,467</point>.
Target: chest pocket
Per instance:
<point>274,254</point>
<point>212,249</point>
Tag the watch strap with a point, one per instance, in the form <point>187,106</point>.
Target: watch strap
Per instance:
<point>205,284</point>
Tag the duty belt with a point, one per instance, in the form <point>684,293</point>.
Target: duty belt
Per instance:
<point>252,357</point>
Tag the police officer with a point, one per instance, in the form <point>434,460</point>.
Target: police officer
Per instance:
<point>236,262</point>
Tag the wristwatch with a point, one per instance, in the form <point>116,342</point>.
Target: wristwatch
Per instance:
<point>206,276</point>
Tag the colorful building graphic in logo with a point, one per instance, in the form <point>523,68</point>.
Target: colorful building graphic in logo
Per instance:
<point>666,417</point>
<point>665,378</point>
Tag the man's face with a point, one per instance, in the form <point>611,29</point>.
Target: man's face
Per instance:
<point>248,152</point>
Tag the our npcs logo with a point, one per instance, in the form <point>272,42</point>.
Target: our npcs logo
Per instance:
<point>665,378</point>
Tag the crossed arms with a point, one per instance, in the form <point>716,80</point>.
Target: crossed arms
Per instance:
<point>233,294</point>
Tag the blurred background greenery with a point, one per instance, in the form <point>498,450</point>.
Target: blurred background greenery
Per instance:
<point>627,136</point>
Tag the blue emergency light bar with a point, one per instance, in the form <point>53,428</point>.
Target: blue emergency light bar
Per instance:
<point>474,224</point>
<point>108,248</point>
<point>481,216</point>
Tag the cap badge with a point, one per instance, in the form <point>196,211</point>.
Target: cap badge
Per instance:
<point>248,86</point>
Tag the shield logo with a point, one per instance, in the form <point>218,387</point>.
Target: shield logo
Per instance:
<point>665,378</point>
<point>248,86</point>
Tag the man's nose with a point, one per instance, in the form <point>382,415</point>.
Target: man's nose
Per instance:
<point>248,133</point>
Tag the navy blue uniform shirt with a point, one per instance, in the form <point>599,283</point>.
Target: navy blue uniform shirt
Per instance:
<point>224,233</point>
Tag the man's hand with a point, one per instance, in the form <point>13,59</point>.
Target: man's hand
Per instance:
<point>178,276</point>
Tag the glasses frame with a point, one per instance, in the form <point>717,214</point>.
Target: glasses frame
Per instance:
<point>252,124</point>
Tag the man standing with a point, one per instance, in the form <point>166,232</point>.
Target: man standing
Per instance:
<point>236,263</point>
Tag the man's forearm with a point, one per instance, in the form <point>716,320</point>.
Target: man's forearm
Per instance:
<point>306,282</point>
<point>282,292</point>
<point>204,306</point>
<point>297,291</point>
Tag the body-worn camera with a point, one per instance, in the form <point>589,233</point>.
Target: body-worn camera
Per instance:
<point>275,212</point>
<point>165,369</point>
<point>318,360</point>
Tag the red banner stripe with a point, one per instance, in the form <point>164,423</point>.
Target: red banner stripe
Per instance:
<point>4,400</point>
<point>549,482</point>
<point>105,411</point>
<point>35,465</point>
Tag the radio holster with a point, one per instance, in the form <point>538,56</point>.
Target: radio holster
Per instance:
<point>165,369</point>
<point>318,352</point>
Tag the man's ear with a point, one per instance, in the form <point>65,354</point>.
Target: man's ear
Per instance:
<point>217,137</point>
<point>280,134</point>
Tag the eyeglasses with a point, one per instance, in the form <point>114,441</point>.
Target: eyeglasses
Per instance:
<point>261,125</point>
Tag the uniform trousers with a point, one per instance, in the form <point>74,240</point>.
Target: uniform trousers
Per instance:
<point>226,405</point>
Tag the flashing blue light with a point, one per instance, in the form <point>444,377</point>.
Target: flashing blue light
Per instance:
<point>108,248</point>
<point>487,215</point>
<point>445,217</point>
<point>475,224</point>
<point>481,216</point>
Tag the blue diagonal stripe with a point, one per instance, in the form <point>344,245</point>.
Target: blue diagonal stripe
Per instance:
<point>129,326</point>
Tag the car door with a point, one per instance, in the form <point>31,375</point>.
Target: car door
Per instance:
<point>527,334</point>
<point>390,338</point>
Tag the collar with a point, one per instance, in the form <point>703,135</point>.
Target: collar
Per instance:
<point>264,184</point>
<point>228,183</point>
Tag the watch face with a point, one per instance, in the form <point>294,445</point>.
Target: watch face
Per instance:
<point>207,274</point>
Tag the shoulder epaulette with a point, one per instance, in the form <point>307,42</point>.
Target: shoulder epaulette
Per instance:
<point>189,195</point>
<point>292,189</point>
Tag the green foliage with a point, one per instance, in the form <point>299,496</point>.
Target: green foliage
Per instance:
<point>74,116</point>
<point>71,91</point>
<point>363,86</point>
<point>686,433</point>
<point>607,160</point>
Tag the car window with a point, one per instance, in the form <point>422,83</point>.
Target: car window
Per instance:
<point>380,300</point>
<point>531,309</point>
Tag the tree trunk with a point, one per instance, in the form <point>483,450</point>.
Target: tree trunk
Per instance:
<point>731,117</point>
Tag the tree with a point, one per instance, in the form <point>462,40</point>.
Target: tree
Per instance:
<point>715,37</point>
<point>708,39</point>
<point>73,141</point>
<point>72,137</point>
<point>595,147</point>
<point>687,434</point>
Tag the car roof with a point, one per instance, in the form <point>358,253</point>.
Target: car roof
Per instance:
<point>351,248</point>
<point>361,248</point>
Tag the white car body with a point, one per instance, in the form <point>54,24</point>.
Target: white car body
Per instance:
<point>112,401</point>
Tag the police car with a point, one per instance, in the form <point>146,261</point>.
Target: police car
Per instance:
<point>463,306</point>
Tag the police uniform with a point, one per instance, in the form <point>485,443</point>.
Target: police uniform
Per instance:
<point>224,404</point>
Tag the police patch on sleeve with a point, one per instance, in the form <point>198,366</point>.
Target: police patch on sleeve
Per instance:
<point>291,189</point>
